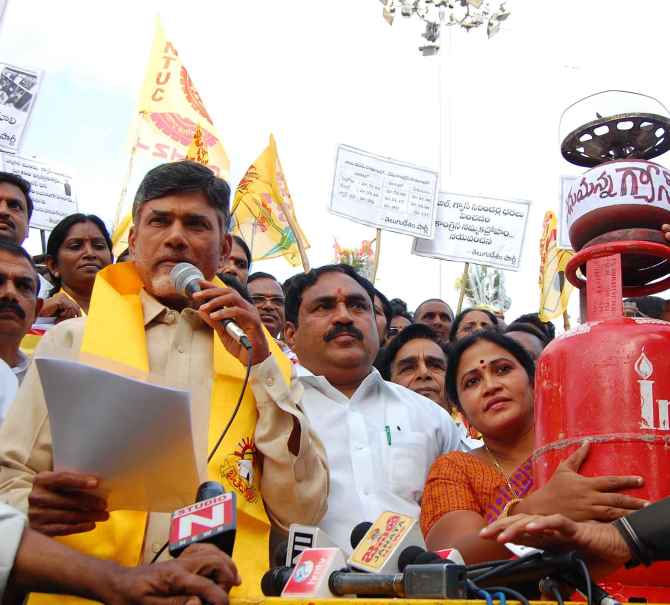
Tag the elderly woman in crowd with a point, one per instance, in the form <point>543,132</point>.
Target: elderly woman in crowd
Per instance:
<point>78,247</point>
<point>471,320</point>
<point>490,379</point>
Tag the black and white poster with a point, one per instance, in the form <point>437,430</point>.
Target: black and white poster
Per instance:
<point>18,92</point>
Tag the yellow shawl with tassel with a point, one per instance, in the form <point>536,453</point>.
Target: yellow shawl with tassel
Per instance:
<point>116,310</point>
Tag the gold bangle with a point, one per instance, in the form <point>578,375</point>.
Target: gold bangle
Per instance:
<point>508,507</point>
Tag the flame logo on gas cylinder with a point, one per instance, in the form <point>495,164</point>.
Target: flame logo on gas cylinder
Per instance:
<point>644,367</point>
<point>653,412</point>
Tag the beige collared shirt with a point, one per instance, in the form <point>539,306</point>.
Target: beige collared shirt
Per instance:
<point>294,481</point>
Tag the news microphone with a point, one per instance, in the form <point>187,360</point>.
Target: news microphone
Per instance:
<point>311,575</point>
<point>318,574</point>
<point>358,532</point>
<point>274,580</point>
<point>212,520</point>
<point>380,548</point>
<point>186,278</point>
<point>437,581</point>
<point>415,555</point>
<point>302,537</point>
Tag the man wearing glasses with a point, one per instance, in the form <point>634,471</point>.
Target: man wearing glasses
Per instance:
<point>267,295</point>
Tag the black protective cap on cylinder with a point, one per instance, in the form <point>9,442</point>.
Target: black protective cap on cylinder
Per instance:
<point>429,557</point>
<point>273,581</point>
<point>358,532</point>
<point>409,556</point>
<point>209,489</point>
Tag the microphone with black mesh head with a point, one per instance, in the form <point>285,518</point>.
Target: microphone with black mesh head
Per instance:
<point>186,278</point>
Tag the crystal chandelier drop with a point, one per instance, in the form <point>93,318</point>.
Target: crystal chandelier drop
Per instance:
<point>468,14</point>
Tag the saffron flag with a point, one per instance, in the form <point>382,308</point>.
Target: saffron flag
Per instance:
<point>263,211</point>
<point>555,290</point>
<point>169,113</point>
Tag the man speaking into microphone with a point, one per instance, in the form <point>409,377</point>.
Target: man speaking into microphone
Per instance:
<point>269,456</point>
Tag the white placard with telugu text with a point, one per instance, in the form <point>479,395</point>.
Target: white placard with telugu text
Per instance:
<point>51,189</point>
<point>384,193</point>
<point>480,230</point>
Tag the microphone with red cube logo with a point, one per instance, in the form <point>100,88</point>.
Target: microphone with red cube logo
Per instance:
<point>211,520</point>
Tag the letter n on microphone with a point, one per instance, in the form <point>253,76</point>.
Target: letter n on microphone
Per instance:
<point>203,521</point>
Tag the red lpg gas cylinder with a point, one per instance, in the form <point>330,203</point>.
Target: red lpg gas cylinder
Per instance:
<point>608,381</point>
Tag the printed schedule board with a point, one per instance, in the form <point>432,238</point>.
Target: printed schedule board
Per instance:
<point>384,193</point>
<point>480,230</point>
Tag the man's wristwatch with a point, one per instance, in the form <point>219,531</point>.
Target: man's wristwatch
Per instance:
<point>640,552</point>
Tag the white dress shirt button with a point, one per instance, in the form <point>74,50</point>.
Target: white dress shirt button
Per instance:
<point>269,381</point>
<point>180,349</point>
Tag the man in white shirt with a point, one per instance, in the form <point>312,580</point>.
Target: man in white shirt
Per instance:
<point>18,307</point>
<point>380,438</point>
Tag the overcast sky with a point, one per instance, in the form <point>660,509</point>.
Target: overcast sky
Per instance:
<point>321,72</point>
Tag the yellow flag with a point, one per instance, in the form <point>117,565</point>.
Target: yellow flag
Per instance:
<point>555,290</point>
<point>263,211</point>
<point>169,112</point>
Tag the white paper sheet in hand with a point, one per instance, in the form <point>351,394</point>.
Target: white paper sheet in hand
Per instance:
<point>135,436</point>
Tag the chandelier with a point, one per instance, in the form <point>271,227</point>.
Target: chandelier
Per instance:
<point>468,14</point>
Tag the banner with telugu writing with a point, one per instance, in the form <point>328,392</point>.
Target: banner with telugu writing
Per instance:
<point>51,189</point>
<point>169,110</point>
<point>476,229</point>
<point>18,90</point>
<point>384,193</point>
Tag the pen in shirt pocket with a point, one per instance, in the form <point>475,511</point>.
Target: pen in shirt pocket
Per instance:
<point>387,428</point>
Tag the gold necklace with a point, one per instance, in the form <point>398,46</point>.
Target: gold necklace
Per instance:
<point>501,470</point>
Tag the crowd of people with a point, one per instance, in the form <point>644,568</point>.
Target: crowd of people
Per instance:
<point>355,406</point>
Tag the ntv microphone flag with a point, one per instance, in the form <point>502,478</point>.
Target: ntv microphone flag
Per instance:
<point>171,124</point>
<point>263,212</point>
<point>555,290</point>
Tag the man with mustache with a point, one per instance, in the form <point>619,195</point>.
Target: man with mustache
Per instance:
<point>268,297</point>
<point>18,307</point>
<point>16,207</point>
<point>380,438</point>
<point>437,314</point>
<point>238,262</point>
<point>264,451</point>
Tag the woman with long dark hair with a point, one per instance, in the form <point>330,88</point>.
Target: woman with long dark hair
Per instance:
<point>490,379</point>
<point>78,247</point>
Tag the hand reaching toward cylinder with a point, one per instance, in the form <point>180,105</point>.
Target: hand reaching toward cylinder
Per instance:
<point>583,498</point>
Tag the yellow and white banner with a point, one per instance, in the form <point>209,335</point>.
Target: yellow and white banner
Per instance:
<point>555,290</point>
<point>168,114</point>
<point>263,211</point>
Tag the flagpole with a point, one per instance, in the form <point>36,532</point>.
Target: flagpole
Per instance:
<point>298,236</point>
<point>464,279</point>
<point>290,219</point>
<point>124,189</point>
<point>378,245</point>
<point>253,237</point>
